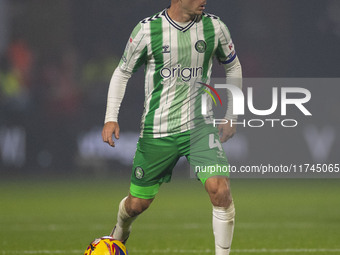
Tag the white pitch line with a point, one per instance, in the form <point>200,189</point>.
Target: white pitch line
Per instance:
<point>182,251</point>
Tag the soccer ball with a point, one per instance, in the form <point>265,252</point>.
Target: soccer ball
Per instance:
<point>106,245</point>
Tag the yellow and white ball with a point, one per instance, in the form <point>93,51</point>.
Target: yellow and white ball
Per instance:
<point>106,245</point>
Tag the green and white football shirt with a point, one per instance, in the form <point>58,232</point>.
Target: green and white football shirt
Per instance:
<point>176,59</point>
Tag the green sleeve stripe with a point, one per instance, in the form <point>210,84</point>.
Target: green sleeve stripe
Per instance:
<point>156,47</point>
<point>139,42</point>
<point>136,30</point>
<point>220,52</point>
<point>141,60</point>
<point>132,36</point>
<point>209,37</point>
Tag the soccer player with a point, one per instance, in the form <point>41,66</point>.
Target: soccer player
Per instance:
<point>177,47</point>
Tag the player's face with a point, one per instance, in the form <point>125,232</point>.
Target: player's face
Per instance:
<point>194,7</point>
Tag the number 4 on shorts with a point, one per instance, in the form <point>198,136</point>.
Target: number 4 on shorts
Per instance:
<point>214,143</point>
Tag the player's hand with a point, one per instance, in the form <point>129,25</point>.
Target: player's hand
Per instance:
<point>109,129</point>
<point>226,131</point>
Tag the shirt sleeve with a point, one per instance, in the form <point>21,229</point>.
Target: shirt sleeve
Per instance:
<point>135,53</point>
<point>134,56</point>
<point>234,77</point>
<point>225,51</point>
<point>226,55</point>
<point>116,94</point>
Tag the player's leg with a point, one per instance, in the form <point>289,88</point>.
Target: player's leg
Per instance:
<point>129,208</point>
<point>135,205</point>
<point>208,159</point>
<point>218,189</point>
<point>152,165</point>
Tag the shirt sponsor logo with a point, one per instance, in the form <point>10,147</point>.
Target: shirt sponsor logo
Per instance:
<point>184,73</point>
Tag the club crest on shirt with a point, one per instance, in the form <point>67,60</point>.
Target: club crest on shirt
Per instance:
<point>139,172</point>
<point>201,46</point>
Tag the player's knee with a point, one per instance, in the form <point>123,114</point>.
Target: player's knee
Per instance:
<point>135,206</point>
<point>219,192</point>
<point>221,199</point>
<point>217,186</point>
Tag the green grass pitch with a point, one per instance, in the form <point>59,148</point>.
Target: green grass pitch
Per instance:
<point>273,217</point>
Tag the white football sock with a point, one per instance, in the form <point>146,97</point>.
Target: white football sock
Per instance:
<point>123,227</point>
<point>223,227</point>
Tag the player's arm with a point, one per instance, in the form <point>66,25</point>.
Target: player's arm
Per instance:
<point>226,54</point>
<point>114,99</point>
<point>134,56</point>
<point>234,76</point>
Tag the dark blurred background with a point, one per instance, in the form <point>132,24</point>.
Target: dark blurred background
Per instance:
<point>57,58</point>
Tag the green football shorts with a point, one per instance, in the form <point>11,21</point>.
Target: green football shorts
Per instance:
<point>155,159</point>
